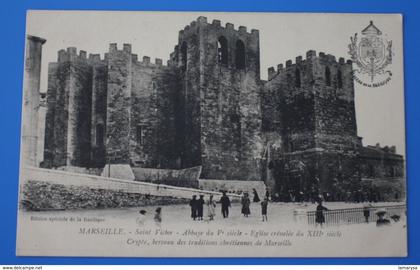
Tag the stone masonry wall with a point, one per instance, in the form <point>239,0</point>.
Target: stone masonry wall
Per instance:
<point>381,162</point>
<point>119,104</point>
<point>79,111</point>
<point>318,125</point>
<point>99,108</point>
<point>52,189</point>
<point>46,196</point>
<point>316,172</point>
<point>68,123</point>
<point>168,87</point>
<point>208,107</point>
<point>334,104</point>
<point>59,117</point>
<point>189,57</point>
<point>49,142</point>
<point>291,86</point>
<point>182,178</point>
<point>229,121</point>
<point>144,116</point>
<point>154,102</point>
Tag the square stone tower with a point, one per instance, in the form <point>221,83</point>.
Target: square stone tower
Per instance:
<point>220,119</point>
<point>316,111</point>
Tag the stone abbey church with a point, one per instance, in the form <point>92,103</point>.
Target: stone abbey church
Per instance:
<point>208,107</point>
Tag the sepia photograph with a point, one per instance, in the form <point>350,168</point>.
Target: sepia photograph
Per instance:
<point>198,134</point>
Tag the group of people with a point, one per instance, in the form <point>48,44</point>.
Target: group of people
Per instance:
<point>197,210</point>
<point>197,206</point>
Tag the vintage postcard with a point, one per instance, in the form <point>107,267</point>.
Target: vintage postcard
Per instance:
<point>177,134</point>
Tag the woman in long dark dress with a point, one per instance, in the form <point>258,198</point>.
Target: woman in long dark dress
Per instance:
<point>320,218</point>
<point>194,206</point>
<point>256,197</point>
<point>200,207</point>
<point>245,205</point>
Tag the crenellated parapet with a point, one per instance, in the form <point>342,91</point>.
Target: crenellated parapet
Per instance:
<point>228,27</point>
<point>311,58</point>
<point>239,47</point>
<point>317,97</point>
<point>144,61</point>
<point>71,54</point>
<point>384,149</point>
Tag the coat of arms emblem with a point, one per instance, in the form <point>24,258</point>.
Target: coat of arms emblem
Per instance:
<point>372,53</point>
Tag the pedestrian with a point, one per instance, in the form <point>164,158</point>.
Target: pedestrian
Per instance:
<point>245,205</point>
<point>382,221</point>
<point>200,207</point>
<point>193,205</point>
<point>267,194</point>
<point>225,201</point>
<point>141,219</point>
<point>256,197</point>
<point>300,196</point>
<point>158,216</point>
<point>320,218</point>
<point>264,206</point>
<point>211,207</point>
<point>366,212</point>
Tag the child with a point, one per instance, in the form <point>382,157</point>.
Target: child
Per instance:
<point>264,205</point>
<point>211,204</point>
<point>158,216</point>
<point>141,219</point>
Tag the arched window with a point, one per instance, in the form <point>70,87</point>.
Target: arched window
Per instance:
<point>222,50</point>
<point>297,78</point>
<point>327,76</point>
<point>339,79</point>
<point>184,54</point>
<point>140,134</point>
<point>99,135</point>
<point>240,55</point>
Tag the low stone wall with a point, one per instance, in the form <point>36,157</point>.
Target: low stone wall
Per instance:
<point>53,189</point>
<point>38,196</point>
<point>233,186</point>
<point>183,178</point>
<point>82,170</point>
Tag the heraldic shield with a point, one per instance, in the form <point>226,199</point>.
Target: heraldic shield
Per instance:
<point>372,54</point>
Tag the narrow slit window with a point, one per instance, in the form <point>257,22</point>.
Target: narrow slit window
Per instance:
<point>327,76</point>
<point>297,78</point>
<point>339,80</point>
<point>240,55</point>
<point>222,50</point>
<point>140,134</point>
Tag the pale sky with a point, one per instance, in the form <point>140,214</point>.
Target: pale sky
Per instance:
<point>283,36</point>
